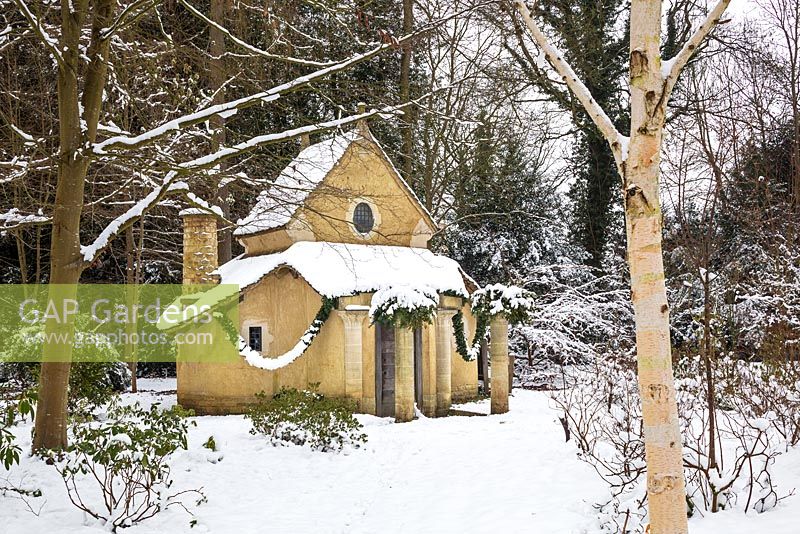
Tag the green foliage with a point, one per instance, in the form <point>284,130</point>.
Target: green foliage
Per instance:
<point>95,374</point>
<point>126,457</point>
<point>91,384</point>
<point>469,353</point>
<point>508,217</point>
<point>404,307</point>
<point>306,417</point>
<point>210,444</point>
<point>14,411</point>
<point>590,36</point>
<point>513,302</point>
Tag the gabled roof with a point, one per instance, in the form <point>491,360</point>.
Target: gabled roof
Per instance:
<point>277,205</point>
<point>340,269</point>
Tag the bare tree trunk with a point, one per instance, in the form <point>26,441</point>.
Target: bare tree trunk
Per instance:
<point>405,92</point>
<point>131,281</point>
<point>665,483</point>
<point>66,262</point>
<point>218,76</point>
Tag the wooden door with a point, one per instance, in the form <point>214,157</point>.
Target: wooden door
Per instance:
<point>418,366</point>
<point>384,370</point>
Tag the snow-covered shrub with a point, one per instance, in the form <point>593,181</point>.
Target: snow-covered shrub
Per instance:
<point>91,384</point>
<point>578,317</point>
<point>117,470</point>
<point>404,306</point>
<point>602,414</point>
<point>306,417</point>
<point>95,374</point>
<point>735,470</point>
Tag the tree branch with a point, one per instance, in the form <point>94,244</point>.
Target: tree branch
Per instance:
<point>230,108</point>
<point>671,68</point>
<point>617,141</point>
<point>248,46</point>
<point>48,41</point>
<point>172,183</point>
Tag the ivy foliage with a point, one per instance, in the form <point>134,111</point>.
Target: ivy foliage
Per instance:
<point>306,417</point>
<point>469,353</point>
<point>404,306</point>
<point>512,302</point>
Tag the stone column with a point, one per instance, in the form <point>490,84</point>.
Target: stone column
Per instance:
<point>353,354</point>
<point>498,350</point>
<point>444,360</point>
<point>403,374</point>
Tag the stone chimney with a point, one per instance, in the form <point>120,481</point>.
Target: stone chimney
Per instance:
<point>361,125</point>
<point>199,247</point>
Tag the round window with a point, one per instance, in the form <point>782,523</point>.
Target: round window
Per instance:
<point>363,219</point>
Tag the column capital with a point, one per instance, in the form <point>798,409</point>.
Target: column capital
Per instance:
<point>445,314</point>
<point>353,318</point>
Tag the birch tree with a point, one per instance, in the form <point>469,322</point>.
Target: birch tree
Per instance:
<point>637,158</point>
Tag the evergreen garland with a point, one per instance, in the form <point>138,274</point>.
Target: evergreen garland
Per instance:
<point>324,312</point>
<point>481,329</point>
<point>515,303</point>
<point>404,307</point>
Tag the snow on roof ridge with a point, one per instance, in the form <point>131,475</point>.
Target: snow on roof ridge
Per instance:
<point>277,204</point>
<point>341,269</point>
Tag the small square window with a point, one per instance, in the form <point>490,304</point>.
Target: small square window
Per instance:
<point>255,338</point>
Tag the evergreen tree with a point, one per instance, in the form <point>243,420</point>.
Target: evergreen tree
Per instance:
<point>593,39</point>
<point>507,216</point>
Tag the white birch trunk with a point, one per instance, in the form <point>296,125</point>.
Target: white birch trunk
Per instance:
<point>638,161</point>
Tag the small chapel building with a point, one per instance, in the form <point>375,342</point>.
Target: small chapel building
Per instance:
<point>337,224</point>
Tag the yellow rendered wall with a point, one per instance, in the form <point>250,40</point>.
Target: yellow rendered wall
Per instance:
<point>362,174</point>
<point>465,374</point>
<point>286,305</point>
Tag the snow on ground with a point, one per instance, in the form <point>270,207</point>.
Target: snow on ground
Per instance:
<point>511,473</point>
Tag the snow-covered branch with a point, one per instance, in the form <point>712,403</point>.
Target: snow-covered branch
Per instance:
<point>49,42</point>
<point>131,13</point>
<point>231,108</point>
<point>14,219</point>
<point>250,48</point>
<point>617,141</point>
<point>671,68</point>
<point>172,184</point>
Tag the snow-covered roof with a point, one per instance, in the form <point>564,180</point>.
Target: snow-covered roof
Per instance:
<point>276,206</point>
<point>340,269</point>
